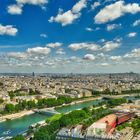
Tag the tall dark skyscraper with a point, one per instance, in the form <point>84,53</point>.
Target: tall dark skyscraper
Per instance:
<point>33,74</point>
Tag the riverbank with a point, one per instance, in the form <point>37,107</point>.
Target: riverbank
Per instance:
<point>16,115</point>
<point>28,112</point>
<point>88,99</point>
<point>23,123</point>
<point>79,101</point>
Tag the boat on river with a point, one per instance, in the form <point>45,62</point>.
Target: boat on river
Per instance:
<point>6,132</point>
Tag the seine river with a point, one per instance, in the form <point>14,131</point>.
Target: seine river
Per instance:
<point>18,126</point>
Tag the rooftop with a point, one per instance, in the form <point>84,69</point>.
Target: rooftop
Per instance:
<point>109,119</point>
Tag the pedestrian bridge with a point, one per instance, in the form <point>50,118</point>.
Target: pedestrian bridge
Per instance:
<point>50,111</point>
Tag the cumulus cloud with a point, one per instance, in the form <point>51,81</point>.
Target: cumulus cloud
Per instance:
<point>15,9</point>
<point>39,50</point>
<point>38,54</point>
<point>87,46</point>
<point>106,47</point>
<point>60,51</point>
<point>8,30</point>
<point>71,15</point>
<point>89,57</point>
<point>116,10</point>
<point>113,26</point>
<point>118,39</point>
<point>65,18</point>
<point>54,45</point>
<point>33,2</point>
<point>135,53</point>
<point>110,45</point>
<point>115,58</point>
<point>136,23</point>
<point>95,4</point>
<point>34,57</point>
<point>89,29</point>
<point>43,35</point>
<point>30,57</point>
<point>79,6</point>
<point>18,55</point>
<point>133,34</point>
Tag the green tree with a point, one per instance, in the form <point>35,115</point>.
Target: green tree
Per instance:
<point>18,137</point>
<point>24,104</point>
<point>9,108</point>
<point>1,101</point>
<point>31,104</point>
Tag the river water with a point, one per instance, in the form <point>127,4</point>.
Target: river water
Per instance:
<point>18,126</point>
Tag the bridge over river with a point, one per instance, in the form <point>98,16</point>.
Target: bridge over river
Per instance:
<point>48,111</point>
<point>20,125</point>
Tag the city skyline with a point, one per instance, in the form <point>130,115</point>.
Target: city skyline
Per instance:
<point>83,36</point>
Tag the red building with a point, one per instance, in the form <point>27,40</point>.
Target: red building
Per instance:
<point>107,124</point>
<point>123,117</point>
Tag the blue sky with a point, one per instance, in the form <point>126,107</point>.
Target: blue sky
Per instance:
<point>82,36</point>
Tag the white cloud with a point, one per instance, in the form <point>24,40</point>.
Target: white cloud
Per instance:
<point>79,6</point>
<point>95,4</point>
<point>135,53</point>
<point>89,29</point>
<point>43,35</point>
<point>118,39</point>
<point>115,58</point>
<point>116,10</point>
<point>49,63</point>
<point>60,51</point>
<point>65,18</point>
<point>102,40</point>
<point>8,30</point>
<point>110,45</point>
<point>71,15</point>
<point>106,47</point>
<point>36,60</point>
<point>89,57</point>
<point>104,64</point>
<point>54,45</point>
<point>113,26</point>
<point>101,54</point>
<point>87,46</point>
<point>39,50</point>
<point>133,34</point>
<point>15,9</point>
<point>136,23</point>
<point>18,55</point>
<point>33,2</point>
